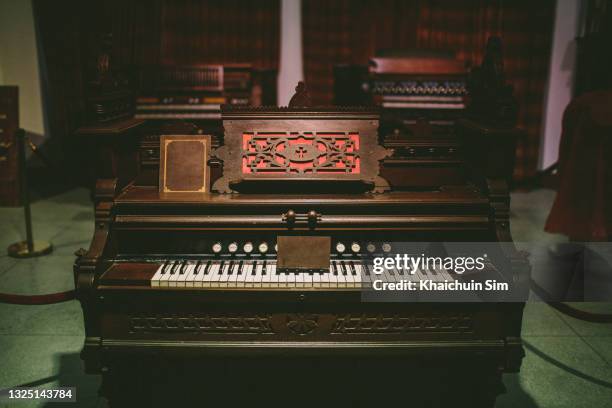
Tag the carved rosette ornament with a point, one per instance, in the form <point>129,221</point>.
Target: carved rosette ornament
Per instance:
<point>302,324</point>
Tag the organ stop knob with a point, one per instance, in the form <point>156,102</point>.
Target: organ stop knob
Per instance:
<point>232,247</point>
<point>355,247</point>
<point>340,248</point>
<point>263,247</point>
<point>247,248</point>
<point>217,247</point>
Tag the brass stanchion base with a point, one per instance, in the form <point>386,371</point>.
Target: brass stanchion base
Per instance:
<point>20,249</point>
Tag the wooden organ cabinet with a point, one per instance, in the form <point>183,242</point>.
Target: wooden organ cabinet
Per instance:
<point>272,262</point>
<point>431,100</point>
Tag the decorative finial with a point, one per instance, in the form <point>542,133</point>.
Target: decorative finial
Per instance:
<point>301,98</point>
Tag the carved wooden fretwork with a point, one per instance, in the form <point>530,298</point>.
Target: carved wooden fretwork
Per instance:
<point>393,324</point>
<point>300,145</point>
<point>205,324</point>
<point>300,153</point>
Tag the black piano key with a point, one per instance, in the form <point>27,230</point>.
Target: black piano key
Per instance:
<point>164,267</point>
<point>176,268</point>
<point>339,268</point>
<point>348,268</point>
<point>334,270</point>
<point>197,265</point>
<point>207,267</point>
<point>264,268</point>
<point>230,269</point>
<point>366,268</point>
<point>183,268</point>
<point>240,266</point>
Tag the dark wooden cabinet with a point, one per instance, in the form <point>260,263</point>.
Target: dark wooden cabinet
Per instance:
<point>9,165</point>
<point>112,149</point>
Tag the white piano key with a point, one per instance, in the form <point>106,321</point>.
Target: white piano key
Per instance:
<point>299,279</point>
<point>341,280</point>
<point>250,272</point>
<point>224,275</point>
<point>281,278</point>
<point>290,279</point>
<point>258,277</point>
<point>166,275</point>
<point>155,279</point>
<point>267,278</point>
<point>362,278</point>
<point>273,276</point>
<point>249,278</point>
<point>421,275</point>
<point>308,279</point>
<point>175,274</point>
<point>214,279</point>
<point>199,274</point>
<point>448,275</point>
<point>232,281</point>
<point>357,278</point>
<point>434,275</point>
<point>184,276</point>
<point>386,276</point>
<point>208,274</point>
<point>326,280</point>
<point>348,275</point>
<point>316,279</point>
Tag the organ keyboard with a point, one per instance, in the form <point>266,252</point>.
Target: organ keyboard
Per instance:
<point>263,273</point>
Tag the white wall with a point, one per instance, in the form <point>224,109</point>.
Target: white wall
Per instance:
<point>560,82</point>
<point>291,65</point>
<point>19,61</point>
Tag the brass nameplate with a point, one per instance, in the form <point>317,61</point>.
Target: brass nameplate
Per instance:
<point>303,252</point>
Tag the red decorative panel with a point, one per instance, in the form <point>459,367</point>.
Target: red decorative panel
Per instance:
<point>299,153</point>
<point>291,149</point>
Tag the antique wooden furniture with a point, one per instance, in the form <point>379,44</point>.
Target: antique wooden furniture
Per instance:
<point>113,149</point>
<point>9,166</point>
<point>182,276</point>
<point>424,99</point>
<point>109,97</point>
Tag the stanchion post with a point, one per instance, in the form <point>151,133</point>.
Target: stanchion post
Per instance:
<point>29,247</point>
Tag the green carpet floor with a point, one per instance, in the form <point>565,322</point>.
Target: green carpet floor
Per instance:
<point>568,362</point>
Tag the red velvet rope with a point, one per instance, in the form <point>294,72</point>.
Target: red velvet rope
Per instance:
<point>37,299</point>
<point>569,310</point>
